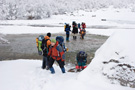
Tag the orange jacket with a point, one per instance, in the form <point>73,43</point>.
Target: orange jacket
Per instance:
<point>48,42</point>
<point>56,52</point>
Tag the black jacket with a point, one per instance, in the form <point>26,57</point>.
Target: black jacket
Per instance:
<point>75,30</point>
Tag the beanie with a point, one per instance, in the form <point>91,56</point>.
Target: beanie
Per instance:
<point>53,40</point>
<point>49,34</point>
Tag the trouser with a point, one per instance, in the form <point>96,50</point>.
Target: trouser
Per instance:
<point>61,65</point>
<point>67,37</point>
<point>83,36</point>
<point>74,36</point>
<point>45,62</point>
<point>81,65</point>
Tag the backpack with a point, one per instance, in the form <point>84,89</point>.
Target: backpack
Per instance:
<point>60,39</point>
<point>66,26</point>
<point>44,47</point>
<point>82,56</point>
<point>40,38</point>
<point>83,32</point>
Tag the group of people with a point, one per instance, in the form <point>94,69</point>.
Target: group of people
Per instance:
<point>54,49</point>
<point>51,51</point>
<point>75,28</point>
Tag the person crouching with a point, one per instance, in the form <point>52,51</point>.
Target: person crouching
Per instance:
<point>57,54</point>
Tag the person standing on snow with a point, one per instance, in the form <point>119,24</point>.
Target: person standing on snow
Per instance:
<point>57,54</point>
<point>67,29</point>
<point>75,32</point>
<point>45,48</point>
<point>83,33</point>
<point>83,25</point>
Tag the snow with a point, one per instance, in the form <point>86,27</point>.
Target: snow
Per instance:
<point>40,9</point>
<point>116,19</point>
<point>28,75</point>
<point>120,44</point>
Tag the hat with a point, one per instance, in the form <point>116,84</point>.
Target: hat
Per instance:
<point>49,34</point>
<point>53,40</point>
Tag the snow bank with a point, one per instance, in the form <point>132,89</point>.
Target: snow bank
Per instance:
<point>115,60</point>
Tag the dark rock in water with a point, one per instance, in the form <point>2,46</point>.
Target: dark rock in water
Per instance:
<point>103,20</point>
<point>93,15</point>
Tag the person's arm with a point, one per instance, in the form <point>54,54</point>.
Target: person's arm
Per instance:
<point>48,43</point>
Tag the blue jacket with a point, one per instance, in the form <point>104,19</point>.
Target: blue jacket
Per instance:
<point>67,30</point>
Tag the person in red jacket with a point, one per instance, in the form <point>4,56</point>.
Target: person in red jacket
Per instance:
<point>57,54</point>
<point>83,25</point>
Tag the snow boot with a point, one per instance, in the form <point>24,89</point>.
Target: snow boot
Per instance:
<point>52,70</point>
<point>63,70</point>
<point>75,37</point>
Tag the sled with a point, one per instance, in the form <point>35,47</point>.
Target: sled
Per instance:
<point>76,69</point>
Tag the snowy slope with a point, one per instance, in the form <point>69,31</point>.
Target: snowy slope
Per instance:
<point>115,60</point>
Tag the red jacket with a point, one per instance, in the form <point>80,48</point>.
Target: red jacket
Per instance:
<point>56,52</point>
<point>83,25</point>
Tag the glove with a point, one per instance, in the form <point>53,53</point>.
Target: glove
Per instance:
<point>62,60</point>
<point>67,49</point>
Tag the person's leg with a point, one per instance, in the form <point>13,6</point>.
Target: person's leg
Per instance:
<point>61,65</point>
<point>82,37</point>
<point>75,36</point>
<point>68,36</point>
<point>47,63</point>
<point>51,61</point>
<point>44,62</point>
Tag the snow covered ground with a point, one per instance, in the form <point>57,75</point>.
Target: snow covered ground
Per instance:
<point>119,25</point>
<point>116,19</point>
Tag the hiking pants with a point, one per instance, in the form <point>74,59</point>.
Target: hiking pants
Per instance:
<point>45,62</point>
<point>61,63</point>
<point>83,36</point>
<point>67,37</point>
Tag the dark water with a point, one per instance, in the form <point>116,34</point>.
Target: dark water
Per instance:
<point>24,46</point>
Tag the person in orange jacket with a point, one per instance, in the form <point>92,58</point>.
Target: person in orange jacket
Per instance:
<point>46,42</point>
<point>57,54</point>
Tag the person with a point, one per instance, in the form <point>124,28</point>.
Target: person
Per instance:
<point>45,49</point>
<point>81,60</point>
<point>83,25</point>
<point>75,32</point>
<point>79,26</point>
<point>83,33</point>
<point>67,32</point>
<point>57,54</point>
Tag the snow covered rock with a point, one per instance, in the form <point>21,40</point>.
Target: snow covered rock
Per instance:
<point>115,59</point>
